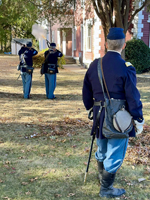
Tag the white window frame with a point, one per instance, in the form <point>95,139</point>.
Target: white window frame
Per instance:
<point>74,38</point>
<point>53,36</point>
<point>89,49</point>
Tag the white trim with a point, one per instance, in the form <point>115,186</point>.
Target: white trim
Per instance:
<point>84,28</point>
<point>64,42</point>
<point>81,31</point>
<point>137,31</point>
<point>74,38</point>
<point>77,58</point>
<point>58,39</point>
<point>97,39</point>
<point>148,19</point>
<point>88,26</point>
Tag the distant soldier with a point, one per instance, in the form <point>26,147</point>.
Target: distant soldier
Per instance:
<point>25,54</point>
<point>50,70</point>
<point>120,78</point>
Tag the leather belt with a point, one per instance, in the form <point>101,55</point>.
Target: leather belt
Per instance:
<point>99,103</point>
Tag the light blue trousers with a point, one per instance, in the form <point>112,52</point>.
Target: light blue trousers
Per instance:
<point>27,83</point>
<point>50,85</point>
<point>111,152</point>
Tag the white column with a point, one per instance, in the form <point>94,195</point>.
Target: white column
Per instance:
<point>58,39</point>
<point>64,43</point>
<point>97,39</point>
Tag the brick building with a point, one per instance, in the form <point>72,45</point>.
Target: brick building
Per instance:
<point>84,40</point>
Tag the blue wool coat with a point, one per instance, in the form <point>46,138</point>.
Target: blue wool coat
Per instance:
<point>28,54</point>
<point>121,83</point>
<point>52,58</point>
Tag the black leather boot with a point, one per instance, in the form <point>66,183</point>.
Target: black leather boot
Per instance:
<point>107,190</point>
<point>100,170</point>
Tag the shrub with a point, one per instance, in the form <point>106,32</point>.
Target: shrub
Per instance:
<point>138,53</point>
<point>39,59</point>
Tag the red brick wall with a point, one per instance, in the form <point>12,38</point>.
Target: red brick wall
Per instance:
<point>69,42</point>
<point>78,42</point>
<point>102,42</point>
<point>128,36</point>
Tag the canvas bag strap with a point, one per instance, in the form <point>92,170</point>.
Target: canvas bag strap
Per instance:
<point>101,78</point>
<point>104,80</point>
<point>23,58</point>
<point>47,57</point>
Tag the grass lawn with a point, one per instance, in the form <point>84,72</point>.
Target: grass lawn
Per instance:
<point>44,144</point>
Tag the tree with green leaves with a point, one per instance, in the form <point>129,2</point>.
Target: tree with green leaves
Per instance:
<point>16,20</point>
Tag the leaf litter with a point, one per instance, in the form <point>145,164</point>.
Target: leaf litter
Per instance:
<point>66,127</point>
<point>138,151</point>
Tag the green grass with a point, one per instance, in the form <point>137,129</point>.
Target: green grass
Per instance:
<point>44,145</point>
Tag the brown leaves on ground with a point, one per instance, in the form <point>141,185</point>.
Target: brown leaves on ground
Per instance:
<point>138,151</point>
<point>66,127</point>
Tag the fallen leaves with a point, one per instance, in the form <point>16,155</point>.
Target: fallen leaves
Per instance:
<point>141,179</point>
<point>66,127</point>
<point>1,181</point>
<point>70,194</point>
<point>24,183</point>
<point>33,179</point>
<point>138,151</point>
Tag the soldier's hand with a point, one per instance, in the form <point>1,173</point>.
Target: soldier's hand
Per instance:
<point>90,113</point>
<point>138,126</point>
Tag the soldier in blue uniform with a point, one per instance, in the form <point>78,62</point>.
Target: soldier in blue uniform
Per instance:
<point>25,54</point>
<point>50,79</point>
<point>120,77</point>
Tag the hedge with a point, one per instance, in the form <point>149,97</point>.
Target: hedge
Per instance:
<point>138,53</point>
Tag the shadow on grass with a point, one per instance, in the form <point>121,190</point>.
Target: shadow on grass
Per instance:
<point>50,168</point>
<point>35,97</point>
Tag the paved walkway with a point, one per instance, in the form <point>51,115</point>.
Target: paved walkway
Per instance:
<point>75,68</point>
<point>79,69</point>
<point>147,75</point>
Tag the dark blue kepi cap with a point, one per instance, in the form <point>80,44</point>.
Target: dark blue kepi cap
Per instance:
<point>29,44</point>
<point>53,44</point>
<point>115,34</point>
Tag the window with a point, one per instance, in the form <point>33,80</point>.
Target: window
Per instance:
<point>74,42</point>
<point>88,44</point>
<point>53,36</point>
<point>82,3</point>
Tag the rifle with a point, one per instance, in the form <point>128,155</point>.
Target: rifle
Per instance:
<point>93,138</point>
<point>48,43</point>
<point>87,168</point>
<point>18,76</point>
<point>19,42</point>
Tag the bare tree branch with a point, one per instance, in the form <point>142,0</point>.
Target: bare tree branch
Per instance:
<point>136,11</point>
